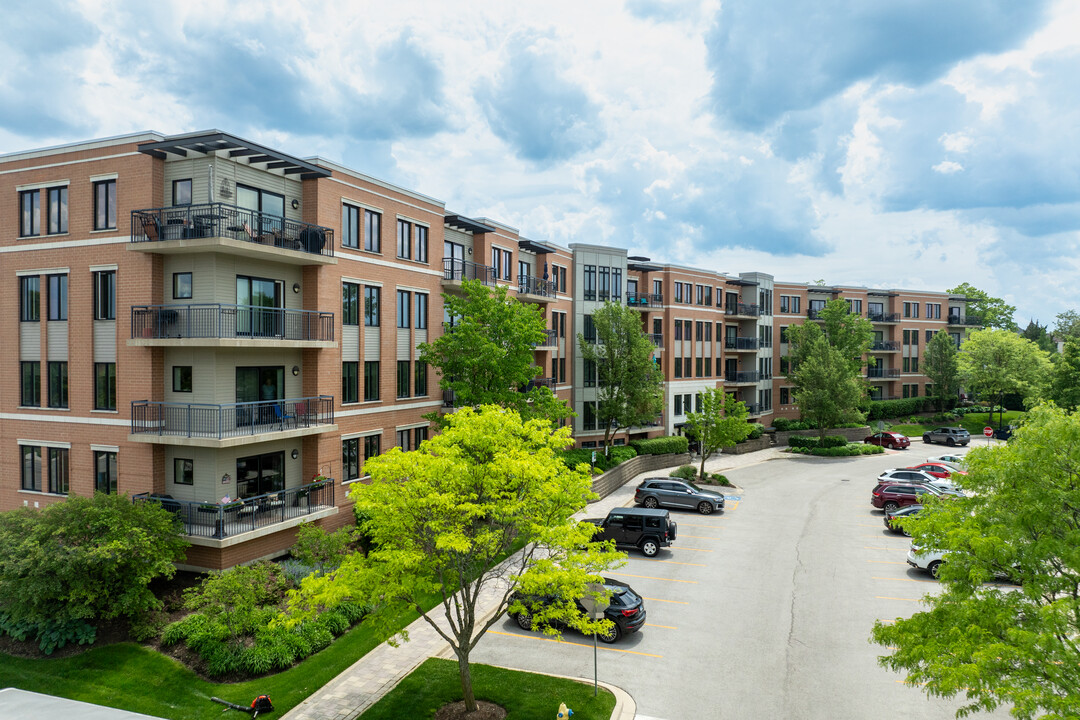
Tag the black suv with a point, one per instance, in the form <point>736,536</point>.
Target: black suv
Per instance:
<point>625,610</point>
<point>637,527</point>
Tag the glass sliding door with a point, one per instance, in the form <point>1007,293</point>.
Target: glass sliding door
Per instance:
<point>267,207</point>
<point>260,474</point>
<point>260,302</point>
<point>259,384</point>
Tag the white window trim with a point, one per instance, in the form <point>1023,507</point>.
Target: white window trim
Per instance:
<point>42,185</point>
<point>362,206</point>
<point>414,221</point>
<point>358,281</point>
<point>104,177</point>
<point>412,426</point>
<point>418,291</point>
<point>104,268</point>
<point>46,443</point>
<point>105,448</point>
<point>365,433</point>
<point>43,271</point>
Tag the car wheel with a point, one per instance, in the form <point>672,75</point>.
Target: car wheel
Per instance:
<point>890,507</point>
<point>650,502</point>
<point>649,547</point>
<point>524,620</point>
<point>950,442</point>
<point>905,532</point>
<point>934,569</point>
<point>705,508</point>
<point>611,635</point>
<point>926,439</point>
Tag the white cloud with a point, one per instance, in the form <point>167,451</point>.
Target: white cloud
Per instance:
<point>948,167</point>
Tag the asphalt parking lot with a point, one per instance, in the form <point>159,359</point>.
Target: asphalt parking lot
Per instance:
<point>763,611</point>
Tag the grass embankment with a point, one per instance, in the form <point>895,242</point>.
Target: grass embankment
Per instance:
<point>973,422</point>
<point>526,696</point>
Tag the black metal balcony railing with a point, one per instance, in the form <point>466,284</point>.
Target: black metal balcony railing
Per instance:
<point>449,399</point>
<point>753,408</point>
<point>882,373</point>
<point>536,286</point>
<point>884,317</point>
<point>742,343</point>
<point>656,339</point>
<point>551,339</point>
<point>548,382</point>
<point>887,345</point>
<point>214,520</point>
<point>199,420</point>
<point>217,320</point>
<point>957,320</point>
<point>224,220</point>
<point>742,309</point>
<point>813,313</point>
<point>456,269</point>
<point>635,299</point>
<point>746,376</point>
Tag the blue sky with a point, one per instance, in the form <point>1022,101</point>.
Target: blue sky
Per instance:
<point>893,143</point>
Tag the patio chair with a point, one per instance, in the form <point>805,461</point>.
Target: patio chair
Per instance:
<point>282,417</point>
<point>151,228</point>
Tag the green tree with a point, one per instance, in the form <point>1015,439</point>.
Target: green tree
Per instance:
<point>1068,324</point>
<point>941,367</point>
<point>85,560</point>
<point>1003,645</point>
<point>991,312</point>
<point>1065,386</point>
<point>1039,335</point>
<point>849,333</point>
<point>721,423</point>
<point>995,362</point>
<point>444,517</point>
<point>629,381</point>
<point>487,356</point>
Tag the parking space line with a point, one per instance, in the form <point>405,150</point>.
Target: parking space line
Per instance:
<point>905,579</point>
<point>650,577</point>
<point>699,537</point>
<point>666,627</point>
<point>681,548</point>
<point>888,562</point>
<point>886,597</point>
<point>675,562</point>
<point>567,642</point>
<point>731,505</point>
<point>673,602</point>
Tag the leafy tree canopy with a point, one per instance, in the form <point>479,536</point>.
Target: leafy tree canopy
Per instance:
<point>1065,386</point>
<point>941,367</point>
<point>487,356</point>
<point>992,312</point>
<point>1068,324</point>
<point>1039,335</point>
<point>828,388</point>
<point>993,362</point>
<point>444,517</point>
<point>1000,644</point>
<point>721,423</point>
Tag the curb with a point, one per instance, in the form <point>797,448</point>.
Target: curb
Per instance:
<point>625,707</point>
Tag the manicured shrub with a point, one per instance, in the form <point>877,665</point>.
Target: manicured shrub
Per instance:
<point>803,441</point>
<point>830,441</point>
<point>684,472</point>
<point>756,431</point>
<point>316,547</point>
<point>847,450</point>
<point>616,454</point>
<point>720,479</point>
<point>662,445</point>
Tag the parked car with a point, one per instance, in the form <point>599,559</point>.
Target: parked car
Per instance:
<point>626,610</point>
<point>928,559</point>
<point>894,519</point>
<point>891,496</point>
<point>949,435</point>
<point>647,529</point>
<point>954,460</point>
<point>654,492</point>
<point>888,439</point>
<point>919,477</point>
<point>939,470</point>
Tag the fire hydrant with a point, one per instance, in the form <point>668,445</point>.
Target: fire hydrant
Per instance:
<point>564,712</point>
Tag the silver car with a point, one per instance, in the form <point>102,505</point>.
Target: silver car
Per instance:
<point>677,493</point>
<point>949,435</point>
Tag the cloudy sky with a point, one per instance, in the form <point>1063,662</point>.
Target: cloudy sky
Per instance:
<point>888,143</point>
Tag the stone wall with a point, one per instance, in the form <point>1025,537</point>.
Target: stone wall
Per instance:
<point>613,479</point>
<point>762,443</point>
<point>852,434</point>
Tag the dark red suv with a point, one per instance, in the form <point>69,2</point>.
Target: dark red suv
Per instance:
<point>890,495</point>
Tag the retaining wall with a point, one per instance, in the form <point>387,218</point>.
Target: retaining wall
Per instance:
<point>852,434</point>
<point>604,485</point>
<point>762,443</point>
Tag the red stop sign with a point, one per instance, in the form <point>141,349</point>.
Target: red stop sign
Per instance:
<point>988,431</point>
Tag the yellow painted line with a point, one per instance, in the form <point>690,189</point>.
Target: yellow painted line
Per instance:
<point>885,597</point>
<point>567,642</point>
<point>887,622</point>
<point>650,577</point>
<point>666,627</point>
<point>681,548</point>
<point>673,602</point>
<point>887,562</point>
<point>699,537</point>
<point>904,579</point>
<point>731,505</point>
<point>676,562</point>
<point>905,682</point>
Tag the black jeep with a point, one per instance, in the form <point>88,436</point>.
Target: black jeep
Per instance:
<point>637,527</point>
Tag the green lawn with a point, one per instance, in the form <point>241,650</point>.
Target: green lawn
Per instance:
<point>974,422</point>
<point>526,696</point>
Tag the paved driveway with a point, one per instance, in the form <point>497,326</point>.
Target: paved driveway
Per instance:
<point>763,611</point>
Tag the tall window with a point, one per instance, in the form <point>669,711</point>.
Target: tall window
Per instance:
<point>933,311</point>
<point>403,309</point>
<point>371,306</point>
<point>854,307</point>
<point>58,384</point>
<point>105,472</point>
<point>403,378</point>
<point>181,286</point>
<point>58,471</point>
<point>29,213</point>
<point>350,226</point>
<point>590,282</point>
<point>421,311</point>
<point>31,467</point>
<point>30,298</point>
<point>105,205</point>
<point>30,395</point>
<point>560,274</point>
<point>420,386</point>
<point>371,446</point>
<point>58,296</point>
<point>421,254</point>
<point>105,295</point>
<point>605,283</point>
<point>404,237</point>
<point>507,259</point>
<point>350,458</point>
<point>57,210</point>
<point>496,261</point>
<point>678,292</point>
<point>372,231</point>
<point>181,192</point>
<point>104,386</point>
<point>590,373</point>
<point>403,437</point>
<point>419,436</point>
<point>371,380</point>
<point>589,421</point>
<point>350,382</point>
<point>350,304</point>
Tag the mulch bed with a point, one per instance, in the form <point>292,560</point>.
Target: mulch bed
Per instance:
<point>484,711</point>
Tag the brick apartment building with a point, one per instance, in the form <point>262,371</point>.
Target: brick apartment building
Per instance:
<point>202,317</point>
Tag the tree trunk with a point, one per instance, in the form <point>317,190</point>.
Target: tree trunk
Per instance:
<point>701,473</point>
<point>466,681</point>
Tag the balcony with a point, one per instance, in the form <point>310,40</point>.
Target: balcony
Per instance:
<point>214,520</point>
<point>814,313</point>
<point>882,373</point>
<point>754,408</point>
<point>884,317</point>
<point>885,346</point>
<point>964,321</point>
<point>456,271</point>
<point>221,325</point>
<point>219,227</point>
<point>742,377</point>
<point>746,344</point>
<point>534,289</point>
<point>551,340</point>
<point>742,310</point>
<point>548,382</point>
<point>644,301</point>
<point>656,339</point>
<point>220,426</point>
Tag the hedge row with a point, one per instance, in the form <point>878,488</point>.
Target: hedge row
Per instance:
<point>849,450</point>
<point>661,445</point>
<point>906,407</point>
<point>616,454</point>
<point>829,441</point>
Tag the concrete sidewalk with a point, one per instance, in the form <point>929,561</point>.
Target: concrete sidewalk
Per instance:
<point>372,676</point>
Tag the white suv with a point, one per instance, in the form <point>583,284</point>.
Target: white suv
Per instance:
<point>919,477</point>
<point>928,560</point>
